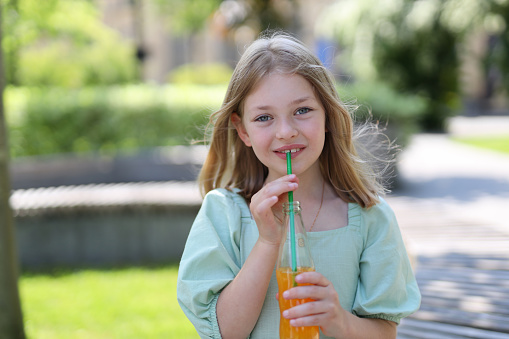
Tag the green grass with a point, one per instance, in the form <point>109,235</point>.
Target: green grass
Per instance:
<point>124,303</point>
<point>494,143</point>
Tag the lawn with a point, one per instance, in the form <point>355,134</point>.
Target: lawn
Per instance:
<point>494,143</point>
<point>122,303</point>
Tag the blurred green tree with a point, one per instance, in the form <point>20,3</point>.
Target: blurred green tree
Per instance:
<point>414,46</point>
<point>62,43</point>
<point>187,17</point>
<point>270,14</point>
<point>11,319</point>
<point>497,25</point>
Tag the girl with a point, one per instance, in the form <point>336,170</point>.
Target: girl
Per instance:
<point>281,99</point>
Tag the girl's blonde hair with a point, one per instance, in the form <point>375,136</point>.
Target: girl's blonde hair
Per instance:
<point>230,163</point>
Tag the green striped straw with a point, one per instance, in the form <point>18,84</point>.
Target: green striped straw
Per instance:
<point>292,216</point>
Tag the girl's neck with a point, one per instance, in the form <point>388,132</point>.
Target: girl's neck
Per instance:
<point>309,189</point>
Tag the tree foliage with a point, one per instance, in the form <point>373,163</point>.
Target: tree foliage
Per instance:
<point>191,16</point>
<point>497,24</point>
<point>186,16</point>
<point>63,43</point>
<point>414,46</point>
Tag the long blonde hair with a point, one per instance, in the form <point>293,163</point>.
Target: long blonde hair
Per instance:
<point>230,163</point>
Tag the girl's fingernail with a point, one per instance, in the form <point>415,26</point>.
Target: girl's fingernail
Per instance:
<point>285,314</point>
<point>286,294</point>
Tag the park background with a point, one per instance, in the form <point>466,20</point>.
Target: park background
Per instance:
<point>103,101</point>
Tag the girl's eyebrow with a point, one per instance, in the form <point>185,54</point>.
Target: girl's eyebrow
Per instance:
<point>294,102</point>
<point>301,100</point>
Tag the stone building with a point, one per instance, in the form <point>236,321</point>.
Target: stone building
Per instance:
<point>161,50</point>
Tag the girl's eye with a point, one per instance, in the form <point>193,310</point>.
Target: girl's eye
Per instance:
<point>303,110</point>
<point>263,118</point>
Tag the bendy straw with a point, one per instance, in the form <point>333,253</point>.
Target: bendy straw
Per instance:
<point>292,216</point>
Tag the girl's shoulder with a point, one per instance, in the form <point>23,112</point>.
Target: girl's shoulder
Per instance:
<point>380,210</point>
<point>227,200</point>
<point>378,217</point>
<point>223,194</point>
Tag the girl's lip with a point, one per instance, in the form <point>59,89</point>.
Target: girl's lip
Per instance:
<point>294,149</point>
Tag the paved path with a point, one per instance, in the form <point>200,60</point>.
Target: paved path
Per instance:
<point>453,209</point>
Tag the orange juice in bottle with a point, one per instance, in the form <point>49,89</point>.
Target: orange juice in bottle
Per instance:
<point>286,280</point>
<point>294,258</point>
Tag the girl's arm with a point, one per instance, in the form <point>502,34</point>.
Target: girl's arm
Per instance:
<point>240,303</point>
<point>327,312</point>
<point>369,328</point>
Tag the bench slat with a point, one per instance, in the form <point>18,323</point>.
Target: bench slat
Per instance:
<point>447,329</point>
<point>457,317</point>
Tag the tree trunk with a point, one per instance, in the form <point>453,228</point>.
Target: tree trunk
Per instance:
<point>11,319</point>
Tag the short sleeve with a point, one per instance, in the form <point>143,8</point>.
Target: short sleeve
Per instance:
<point>387,288</point>
<point>210,261</point>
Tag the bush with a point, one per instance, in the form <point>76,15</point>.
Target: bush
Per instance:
<point>110,119</point>
<point>102,63</point>
<point>47,121</point>
<point>399,114</point>
<point>207,74</point>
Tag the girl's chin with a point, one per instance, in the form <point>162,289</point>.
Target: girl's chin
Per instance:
<point>275,174</point>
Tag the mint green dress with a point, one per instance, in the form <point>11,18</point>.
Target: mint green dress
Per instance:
<point>366,261</point>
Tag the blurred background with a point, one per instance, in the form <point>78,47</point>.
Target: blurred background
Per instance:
<point>105,105</point>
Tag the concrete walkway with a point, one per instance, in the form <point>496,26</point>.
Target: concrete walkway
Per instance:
<point>453,208</point>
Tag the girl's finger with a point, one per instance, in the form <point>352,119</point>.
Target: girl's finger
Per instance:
<point>319,287</point>
<point>311,320</point>
<point>278,187</point>
<point>264,206</point>
<point>314,278</point>
<point>305,292</point>
<point>274,189</point>
<point>305,310</point>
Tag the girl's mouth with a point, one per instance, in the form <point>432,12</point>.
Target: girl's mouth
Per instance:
<point>294,152</point>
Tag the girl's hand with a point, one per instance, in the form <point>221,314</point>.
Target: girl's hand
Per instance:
<point>325,311</point>
<point>267,207</point>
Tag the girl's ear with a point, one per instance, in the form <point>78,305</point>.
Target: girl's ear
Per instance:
<point>241,130</point>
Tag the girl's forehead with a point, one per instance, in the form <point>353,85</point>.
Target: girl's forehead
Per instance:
<point>279,87</point>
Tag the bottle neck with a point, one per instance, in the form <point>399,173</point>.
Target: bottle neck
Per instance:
<point>289,206</point>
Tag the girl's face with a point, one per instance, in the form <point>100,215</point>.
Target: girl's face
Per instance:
<point>282,114</point>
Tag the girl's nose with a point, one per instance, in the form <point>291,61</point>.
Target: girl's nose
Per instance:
<point>286,129</point>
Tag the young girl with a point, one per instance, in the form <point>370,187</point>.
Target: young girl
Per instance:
<point>281,99</point>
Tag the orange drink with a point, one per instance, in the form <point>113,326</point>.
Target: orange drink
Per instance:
<point>286,280</point>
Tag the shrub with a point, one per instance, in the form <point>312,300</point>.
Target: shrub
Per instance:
<point>398,113</point>
<point>207,74</point>
<point>55,120</point>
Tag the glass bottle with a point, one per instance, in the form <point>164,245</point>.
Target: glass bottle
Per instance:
<point>288,267</point>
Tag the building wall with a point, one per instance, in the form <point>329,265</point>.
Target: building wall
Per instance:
<point>144,26</point>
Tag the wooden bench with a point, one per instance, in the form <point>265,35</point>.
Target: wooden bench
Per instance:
<point>462,268</point>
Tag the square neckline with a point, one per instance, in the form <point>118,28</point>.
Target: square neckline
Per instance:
<point>354,213</point>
